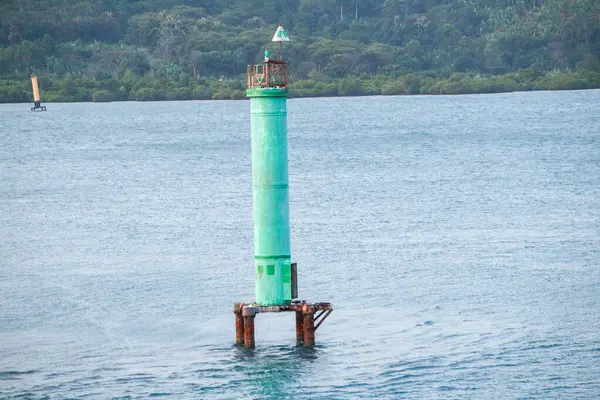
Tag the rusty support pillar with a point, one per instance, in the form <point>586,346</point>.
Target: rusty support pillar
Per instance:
<point>308,312</point>
<point>299,327</point>
<point>248,314</point>
<point>239,323</point>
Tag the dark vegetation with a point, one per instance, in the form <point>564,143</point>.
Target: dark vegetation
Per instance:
<point>106,50</point>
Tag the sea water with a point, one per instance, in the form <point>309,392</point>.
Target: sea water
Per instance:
<point>458,238</point>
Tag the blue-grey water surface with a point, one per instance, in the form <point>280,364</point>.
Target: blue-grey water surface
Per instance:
<point>458,238</point>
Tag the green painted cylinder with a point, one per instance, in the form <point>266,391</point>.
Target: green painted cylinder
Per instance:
<point>270,195</point>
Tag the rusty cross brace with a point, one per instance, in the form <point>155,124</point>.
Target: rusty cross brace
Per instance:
<point>322,317</point>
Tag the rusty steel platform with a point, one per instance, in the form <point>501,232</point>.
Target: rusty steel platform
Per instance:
<point>309,316</point>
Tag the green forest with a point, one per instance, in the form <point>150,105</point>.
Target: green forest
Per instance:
<point>115,50</point>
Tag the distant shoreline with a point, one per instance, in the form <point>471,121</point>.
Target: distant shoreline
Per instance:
<point>72,90</point>
<point>291,97</point>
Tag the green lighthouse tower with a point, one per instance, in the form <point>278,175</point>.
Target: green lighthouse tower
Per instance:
<point>267,90</point>
<point>276,276</point>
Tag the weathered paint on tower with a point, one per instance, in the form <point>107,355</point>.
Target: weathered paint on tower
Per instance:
<point>272,253</point>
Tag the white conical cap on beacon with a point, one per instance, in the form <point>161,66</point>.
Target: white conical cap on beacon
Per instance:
<point>281,35</point>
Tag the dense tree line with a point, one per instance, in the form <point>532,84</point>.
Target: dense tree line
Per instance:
<point>106,50</point>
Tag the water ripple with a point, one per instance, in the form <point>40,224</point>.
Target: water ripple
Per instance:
<point>456,236</point>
